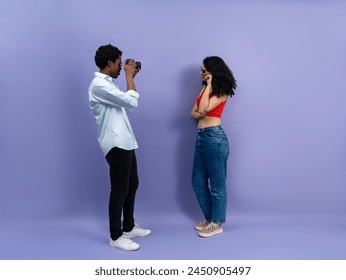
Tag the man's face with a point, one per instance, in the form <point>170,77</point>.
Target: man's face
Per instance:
<point>115,68</point>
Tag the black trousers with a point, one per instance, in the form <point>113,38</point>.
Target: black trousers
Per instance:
<point>124,184</point>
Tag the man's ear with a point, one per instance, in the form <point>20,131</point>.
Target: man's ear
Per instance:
<point>109,63</point>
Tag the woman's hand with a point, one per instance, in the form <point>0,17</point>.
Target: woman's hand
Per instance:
<point>207,77</point>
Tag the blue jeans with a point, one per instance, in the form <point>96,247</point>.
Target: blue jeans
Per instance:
<point>210,165</point>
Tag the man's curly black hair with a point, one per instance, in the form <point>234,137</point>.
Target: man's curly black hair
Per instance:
<point>105,53</point>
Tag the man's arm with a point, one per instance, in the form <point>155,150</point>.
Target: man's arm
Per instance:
<point>109,94</point>
<point>131,72</point>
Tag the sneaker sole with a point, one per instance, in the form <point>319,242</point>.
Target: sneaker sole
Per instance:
<point>210,234</point>
<point>125,249</point>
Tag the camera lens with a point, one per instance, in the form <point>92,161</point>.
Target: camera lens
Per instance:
<point>138,65</point>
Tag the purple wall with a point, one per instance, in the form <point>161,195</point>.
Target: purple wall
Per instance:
<point>286,123</point>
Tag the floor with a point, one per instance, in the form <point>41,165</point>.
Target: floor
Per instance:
<point>245,237</point>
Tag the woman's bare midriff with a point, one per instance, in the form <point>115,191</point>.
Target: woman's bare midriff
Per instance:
<point>208,121</point>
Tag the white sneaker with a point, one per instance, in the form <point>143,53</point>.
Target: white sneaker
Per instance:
<point>124,243</point>
<point>137,231</point>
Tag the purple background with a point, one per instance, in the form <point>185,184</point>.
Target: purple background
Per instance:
<point>286,125</point>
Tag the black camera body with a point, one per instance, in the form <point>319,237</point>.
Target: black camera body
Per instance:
<point>138,64</point>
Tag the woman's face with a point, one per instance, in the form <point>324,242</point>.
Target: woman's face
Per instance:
<point>203,72</point>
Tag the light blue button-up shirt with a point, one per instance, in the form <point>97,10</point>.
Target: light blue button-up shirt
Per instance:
<point>110,105</point>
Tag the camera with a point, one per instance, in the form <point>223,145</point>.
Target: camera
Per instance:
<point>138,64</point>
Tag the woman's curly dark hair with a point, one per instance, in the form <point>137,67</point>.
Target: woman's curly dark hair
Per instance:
<point>105,53</point>
<point>223,82</point>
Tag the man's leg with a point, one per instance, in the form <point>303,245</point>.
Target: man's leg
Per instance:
<point>120,162</point>
<point>129,202</point>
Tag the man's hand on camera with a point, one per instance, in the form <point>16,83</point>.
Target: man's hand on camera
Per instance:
<point>130,72</point>
<point>130,68</point>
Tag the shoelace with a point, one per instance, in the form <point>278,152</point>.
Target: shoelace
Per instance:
<point>210,227</point>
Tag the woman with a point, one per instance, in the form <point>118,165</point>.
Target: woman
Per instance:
<point>212,148</point>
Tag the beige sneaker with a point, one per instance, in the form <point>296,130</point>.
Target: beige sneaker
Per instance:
<point>202,225</point>
<point>210,230</point>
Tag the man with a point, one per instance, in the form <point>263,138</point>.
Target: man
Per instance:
<point>118,143</point>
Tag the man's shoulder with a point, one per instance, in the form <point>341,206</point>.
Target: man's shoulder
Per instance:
<point>100,84</point>
<point>99,80</point>
<point>100,75</point>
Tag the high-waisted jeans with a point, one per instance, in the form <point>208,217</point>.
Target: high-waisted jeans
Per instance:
<point>210,166</point>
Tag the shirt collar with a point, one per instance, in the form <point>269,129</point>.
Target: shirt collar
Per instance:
<point>103,76</point>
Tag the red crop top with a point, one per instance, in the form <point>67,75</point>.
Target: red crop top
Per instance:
<point>217,111</point>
